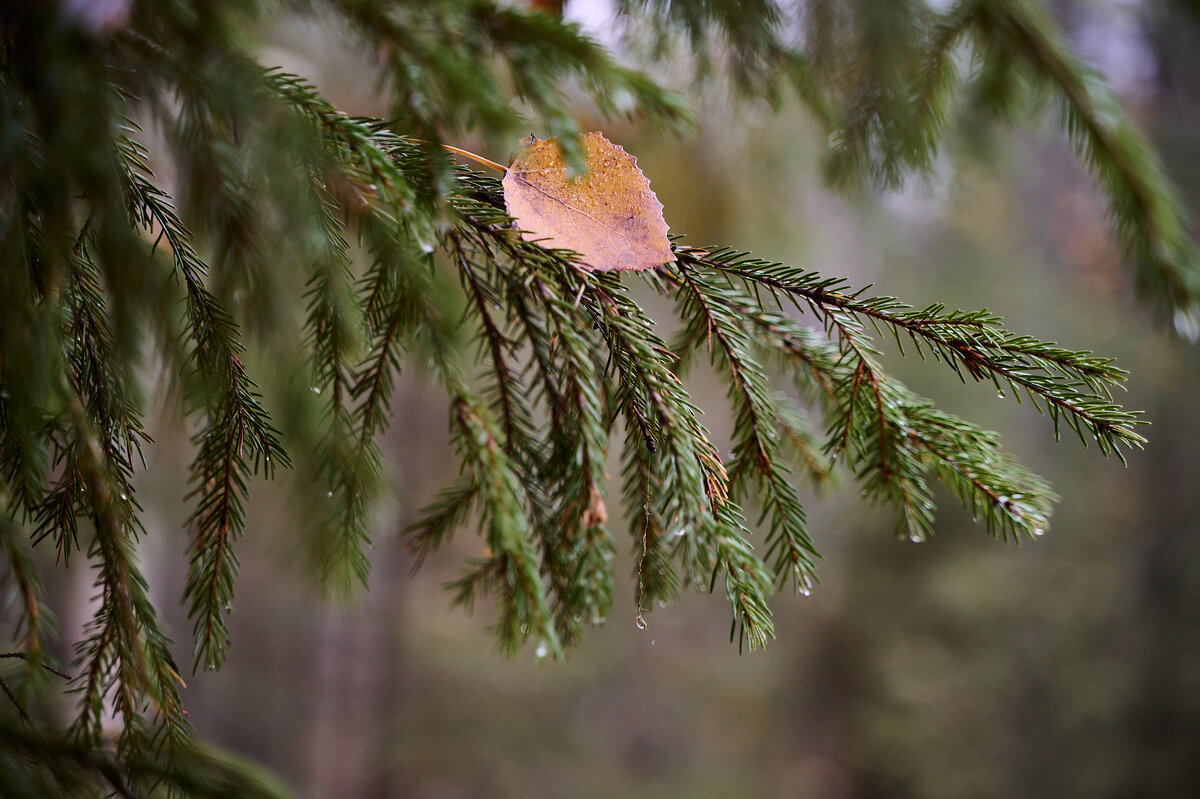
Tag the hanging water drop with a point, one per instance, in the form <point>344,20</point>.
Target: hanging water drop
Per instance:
<point>316,389</point>
<point>1037,531</point>
<point>1187,325</point>
<point>541,650</point>
<point>640,622</point>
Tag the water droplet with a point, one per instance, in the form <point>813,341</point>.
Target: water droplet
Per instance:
<point>640,622</point>
<point>1187,324</point>
<point>1038,531</point>
<point>316,389</point>
<point>426,247</point>
<point>681,532</point>
<point>662,603</point>
<point>328,493</point>
<point>123,496</point>
<point>1000,394</point>
<point>541,650</point>
<point>524,629</point>
<point>228,608</point>
<point>652,643</point>
<point>915,538</point>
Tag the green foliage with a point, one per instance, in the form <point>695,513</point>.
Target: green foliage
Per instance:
<point>405,260</point>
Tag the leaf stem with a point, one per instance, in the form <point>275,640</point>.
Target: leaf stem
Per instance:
<point>479,159</point>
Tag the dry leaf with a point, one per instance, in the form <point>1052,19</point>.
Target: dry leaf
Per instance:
<point>610,216</point>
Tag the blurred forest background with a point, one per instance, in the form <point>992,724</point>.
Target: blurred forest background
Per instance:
<point>959,667</point>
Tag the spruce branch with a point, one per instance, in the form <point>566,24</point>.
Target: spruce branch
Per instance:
<point>35,661</point>
<point>692,478</point>
<point>102,380</point>
<point>37,761</point>
<point>124,652</point>
<point>1146,214</point>
<point>890,435</point>
<point>34,619</point>
<point>544,296</point>
<point>655,572</point>
<point>279,188</point>
<point>33,355</point>
<point>238,439</point>
<point>512,564</point>
<point>583,579</point>
<point>1071,387</point>
<point>350,462</point>
<point>429,77</point>
<point>565,498</point>
<point>757,437</point>
<point>441,518</point>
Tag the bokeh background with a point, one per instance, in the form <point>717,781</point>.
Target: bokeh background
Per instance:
<point>959,667</point>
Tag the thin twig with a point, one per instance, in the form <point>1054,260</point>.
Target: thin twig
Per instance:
<point>16,702</point>
<point>46,666</point>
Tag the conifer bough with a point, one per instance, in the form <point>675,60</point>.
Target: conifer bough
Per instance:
<point>405,260</point>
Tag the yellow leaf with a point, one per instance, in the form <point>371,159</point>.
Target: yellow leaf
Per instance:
<point>610,216</point>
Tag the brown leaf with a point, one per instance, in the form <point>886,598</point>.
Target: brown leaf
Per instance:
<point>610,216</point>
